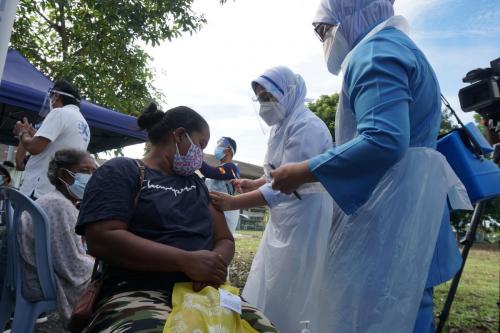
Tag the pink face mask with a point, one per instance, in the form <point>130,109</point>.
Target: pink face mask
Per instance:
<point>187,165</point>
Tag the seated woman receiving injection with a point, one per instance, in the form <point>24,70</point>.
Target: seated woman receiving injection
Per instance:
<point>152,235</point>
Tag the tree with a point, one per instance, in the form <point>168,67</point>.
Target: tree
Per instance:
<point>447,122</point>
<point>96,44</point>
<point>325,107</point>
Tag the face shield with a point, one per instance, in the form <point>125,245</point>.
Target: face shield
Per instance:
<point>269,108</point>
<point>47,102</point>
<point>222,146</point>
<point>46,106</point>
<point>224,143</point>
<point>264,129</point>
<point>335,49</point>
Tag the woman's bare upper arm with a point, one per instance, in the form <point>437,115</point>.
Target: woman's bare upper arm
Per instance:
<point>95,229</point>
<point>221,230</point>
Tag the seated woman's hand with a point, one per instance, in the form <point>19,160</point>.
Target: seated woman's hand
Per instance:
<point>206,266</point>
<point>198,286</point>
<point>222,201</point>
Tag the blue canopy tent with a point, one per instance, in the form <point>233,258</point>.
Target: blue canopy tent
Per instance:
<point>22,92</point>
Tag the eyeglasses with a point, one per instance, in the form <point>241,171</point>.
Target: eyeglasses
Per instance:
<point>264,96</point>
<point>322,31</point>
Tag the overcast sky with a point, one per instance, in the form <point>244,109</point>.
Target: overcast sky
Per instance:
<point>211,70</point>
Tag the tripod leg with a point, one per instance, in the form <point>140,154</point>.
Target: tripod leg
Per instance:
<point>469,240</point>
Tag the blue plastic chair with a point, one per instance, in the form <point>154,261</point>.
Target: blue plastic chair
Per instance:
<point>12,301</point>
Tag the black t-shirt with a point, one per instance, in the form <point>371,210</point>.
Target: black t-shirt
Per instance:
<point>171,210</point>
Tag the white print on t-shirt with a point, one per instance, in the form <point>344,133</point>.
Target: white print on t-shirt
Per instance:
<point>83,129</point>
<point>176,192</point>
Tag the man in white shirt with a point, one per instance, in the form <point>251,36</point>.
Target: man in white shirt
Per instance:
<point>63,127</point>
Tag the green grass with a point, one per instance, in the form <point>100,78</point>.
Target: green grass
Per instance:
<point>475,307</point>
<point>248,242</point>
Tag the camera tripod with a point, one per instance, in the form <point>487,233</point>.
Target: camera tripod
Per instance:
<point>470,236</point>
<point>468,241</point>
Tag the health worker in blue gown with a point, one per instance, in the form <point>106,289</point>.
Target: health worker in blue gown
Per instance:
<point>391,240</point>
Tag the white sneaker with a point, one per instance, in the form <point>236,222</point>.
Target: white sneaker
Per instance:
<point>40,320</point>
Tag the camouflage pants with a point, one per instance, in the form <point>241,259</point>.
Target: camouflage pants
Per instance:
<point>147,312</point>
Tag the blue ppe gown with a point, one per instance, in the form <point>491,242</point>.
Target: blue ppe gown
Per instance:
<point>395,97</point>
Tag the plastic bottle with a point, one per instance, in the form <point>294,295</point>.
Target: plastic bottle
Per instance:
<point>306,326</point>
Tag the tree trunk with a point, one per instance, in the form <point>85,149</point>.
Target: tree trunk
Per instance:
<point>62,30</point>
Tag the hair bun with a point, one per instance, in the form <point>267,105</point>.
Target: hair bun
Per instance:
<point>150,117</point>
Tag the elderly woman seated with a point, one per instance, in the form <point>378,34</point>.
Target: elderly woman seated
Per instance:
<point>69,171</point>
<point>154,234</point>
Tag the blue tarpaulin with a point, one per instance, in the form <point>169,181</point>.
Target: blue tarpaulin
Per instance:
<point>22,92</point>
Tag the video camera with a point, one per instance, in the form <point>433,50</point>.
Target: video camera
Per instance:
<point>483,95</point>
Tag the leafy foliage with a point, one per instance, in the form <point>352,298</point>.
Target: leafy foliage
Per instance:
<point>447,122</point>
<point>96,44</point>
<point>325,107</point>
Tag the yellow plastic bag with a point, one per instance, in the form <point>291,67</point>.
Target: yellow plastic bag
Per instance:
<point>200,312</point>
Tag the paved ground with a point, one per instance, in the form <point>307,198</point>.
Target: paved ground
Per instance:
<point>53,325</point>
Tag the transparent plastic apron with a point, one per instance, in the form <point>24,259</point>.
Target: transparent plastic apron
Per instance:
<point>379,257</point>
<point>284,281</point>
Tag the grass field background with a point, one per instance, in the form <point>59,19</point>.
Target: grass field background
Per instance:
<point>474,310</point>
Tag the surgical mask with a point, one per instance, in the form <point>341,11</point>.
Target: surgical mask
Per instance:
<point>77,189</point>
<point>272,112</point>
<point>188,164</point>
<point>335,48</point>
<point>219,153</point>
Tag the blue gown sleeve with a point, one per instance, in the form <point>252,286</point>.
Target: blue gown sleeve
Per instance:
<point>227,171</point>
<point>377,82</point>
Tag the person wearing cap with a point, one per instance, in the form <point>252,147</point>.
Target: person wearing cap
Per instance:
<point>64,127</point>
<point>391,239</point>
<point>219,178</point>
